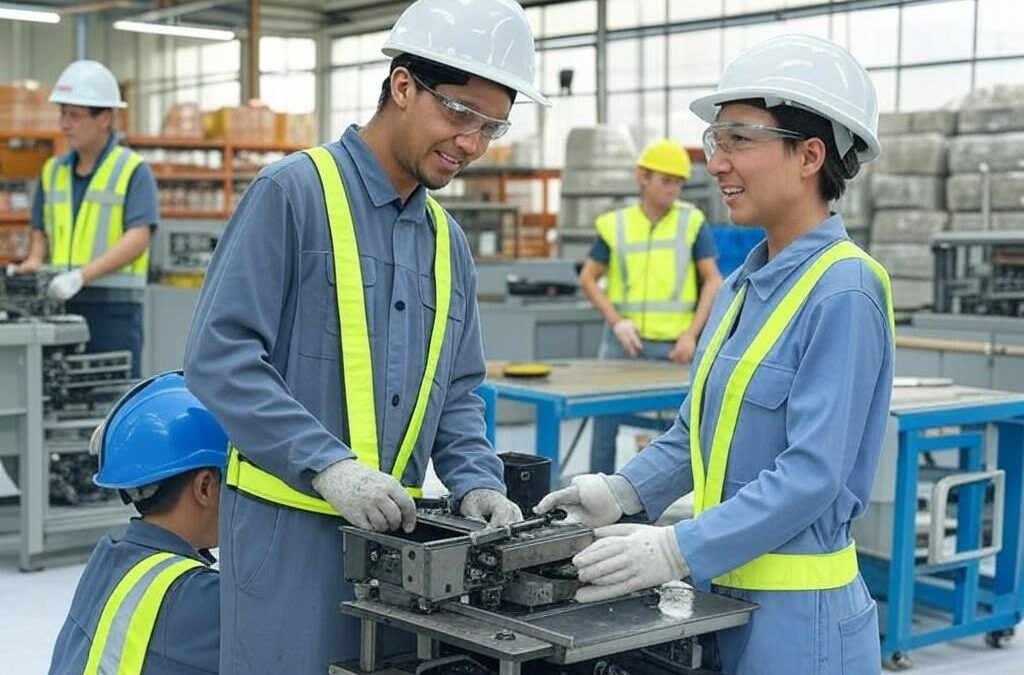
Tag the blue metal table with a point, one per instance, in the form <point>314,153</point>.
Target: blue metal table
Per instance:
<point>964,420</point>
<point>579,388</point>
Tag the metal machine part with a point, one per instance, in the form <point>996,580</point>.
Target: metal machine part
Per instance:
<point>979,273</point>
<point>25,296</point>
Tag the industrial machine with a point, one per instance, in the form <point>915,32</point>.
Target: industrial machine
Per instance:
<point>497,598</point>
<point>980,273</point>
<point>54,396</point>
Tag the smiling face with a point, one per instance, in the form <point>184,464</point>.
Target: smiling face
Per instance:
<point>437,143</point>
<point>760,181</point>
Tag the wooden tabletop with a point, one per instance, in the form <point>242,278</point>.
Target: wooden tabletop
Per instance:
<point>588,377</point>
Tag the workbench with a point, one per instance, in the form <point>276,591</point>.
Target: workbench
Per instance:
<point>580,388</point>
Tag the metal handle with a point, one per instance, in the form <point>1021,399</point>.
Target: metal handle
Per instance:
<point>940,498</point>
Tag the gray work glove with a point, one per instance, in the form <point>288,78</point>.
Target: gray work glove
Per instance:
<point>594,499</point>
<point>490,505</point>
<point>365,497</point>
<point>66,285</point>
<point>627,558</point>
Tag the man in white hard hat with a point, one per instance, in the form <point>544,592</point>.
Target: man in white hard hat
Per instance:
<point>94,213</point>
<point>337,338</point>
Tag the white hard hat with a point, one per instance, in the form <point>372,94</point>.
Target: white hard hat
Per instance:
<point>87,83</point>
<point>491,39</point>
<point>805,72</point>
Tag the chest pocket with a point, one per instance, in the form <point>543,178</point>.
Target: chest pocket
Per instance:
<point>761,429</point>
<point>319,333</point>
<point>454,329</point>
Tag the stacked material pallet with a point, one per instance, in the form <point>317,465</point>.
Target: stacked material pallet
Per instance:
<point>855,207</point>
<point>986,162</point>
<point>909,198</point>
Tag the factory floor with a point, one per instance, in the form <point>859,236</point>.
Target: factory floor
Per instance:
<point>34,605</point>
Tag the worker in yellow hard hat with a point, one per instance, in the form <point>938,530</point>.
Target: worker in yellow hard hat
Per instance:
<point>662,275</point>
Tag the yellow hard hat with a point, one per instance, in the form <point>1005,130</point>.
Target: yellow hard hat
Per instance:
<point>667,157</point>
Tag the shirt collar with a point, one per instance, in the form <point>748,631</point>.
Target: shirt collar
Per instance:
<point>375,181</point>
<point>766,276</point>
<point>155,537</point>
<point>72,156</point>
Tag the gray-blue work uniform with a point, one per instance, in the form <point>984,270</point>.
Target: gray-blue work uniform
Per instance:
<point>263,356</point>
<point>186,636</point>
<point>114,315</point>
<point>803,457</point>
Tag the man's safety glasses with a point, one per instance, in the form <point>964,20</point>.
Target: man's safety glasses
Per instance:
<point>730,137</point>
<point>466,119</point>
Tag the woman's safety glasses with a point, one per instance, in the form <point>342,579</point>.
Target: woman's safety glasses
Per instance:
<point>467,120</point>
<point>730,137</point>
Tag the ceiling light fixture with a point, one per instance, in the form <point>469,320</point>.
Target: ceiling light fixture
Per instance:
<point>37,15</point>
<point>176,31</point>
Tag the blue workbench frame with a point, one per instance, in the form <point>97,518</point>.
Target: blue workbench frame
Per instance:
<point>975,603</point>
<point>959,589</point>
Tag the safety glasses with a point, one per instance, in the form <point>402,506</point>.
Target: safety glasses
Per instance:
<point>466,119</point>
<point>730,137</point>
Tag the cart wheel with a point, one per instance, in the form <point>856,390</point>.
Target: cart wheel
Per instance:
<point>898,661</point>
<point>998,639</point>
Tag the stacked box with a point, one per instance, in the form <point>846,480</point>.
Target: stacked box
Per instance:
<point>908,200</point>
<point>242,124</point>
<point>25,106</point>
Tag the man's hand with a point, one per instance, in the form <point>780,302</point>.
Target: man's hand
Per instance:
<point>65,285</point>
<point>589,500</point>
<point>627,558</point>
<point>26,266</point>
<point>365,497</point>
<point>684,349</point>
<point>490,505</point>
<point>628,336</point>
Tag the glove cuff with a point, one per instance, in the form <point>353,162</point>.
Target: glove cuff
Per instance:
<point>670,550</point>
<point>625,494</point>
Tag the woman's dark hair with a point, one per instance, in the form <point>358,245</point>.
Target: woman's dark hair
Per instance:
<point>431,73</point>
<point>836,170</point>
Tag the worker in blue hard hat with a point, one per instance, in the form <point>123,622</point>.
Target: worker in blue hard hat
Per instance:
<point>148,601</point>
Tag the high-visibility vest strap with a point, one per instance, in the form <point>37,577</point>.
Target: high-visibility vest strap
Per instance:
<point>794,571</point>
<point>126,622</point>
<point>246,477</point>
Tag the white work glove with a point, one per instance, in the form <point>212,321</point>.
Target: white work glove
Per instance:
<point>365,497</point>
<point>10,270</point>
<point>594,499</point>
<point>65,285</point>
<point>627,558</point>
<point>490,505</point>
<point>628,336</point>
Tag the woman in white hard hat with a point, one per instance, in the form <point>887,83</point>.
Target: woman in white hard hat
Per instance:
<point>338,340</point>
<point>94,213</point>
<point>780,435</point>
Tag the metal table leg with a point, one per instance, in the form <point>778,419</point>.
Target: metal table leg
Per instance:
<point>548,436</point>
<point>426,648</point>
<point>368,645</point>
<point>509,668</point>
<point>34,468</point>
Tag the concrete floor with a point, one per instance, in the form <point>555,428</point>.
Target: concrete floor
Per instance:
<point>33,606</point>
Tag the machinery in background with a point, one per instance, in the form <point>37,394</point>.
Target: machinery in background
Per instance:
<point>979,273</point>
<point>78,389</point>
<point>182,251</point>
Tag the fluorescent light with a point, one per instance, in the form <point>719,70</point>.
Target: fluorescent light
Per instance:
<point>29,15</point>
<point>177,31</point>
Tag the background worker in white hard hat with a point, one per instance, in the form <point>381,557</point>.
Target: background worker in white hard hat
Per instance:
<point>780,435</point>
<point>148,601</point>
<point>338,340</point>
<point>659,258</point>
<point>94,213</point>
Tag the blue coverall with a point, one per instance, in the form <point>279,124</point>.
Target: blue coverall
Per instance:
<point>263,356</point>
<point>186,636</point>
<point>803,458</point>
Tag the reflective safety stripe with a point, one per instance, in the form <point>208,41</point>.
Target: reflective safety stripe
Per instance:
<point>249,478</point>
<point>126,623</point>
<point>99,224</point>
<point>794,571</point>
<point>666,306</point>
<point>709,481</point>
<point>357,364</point>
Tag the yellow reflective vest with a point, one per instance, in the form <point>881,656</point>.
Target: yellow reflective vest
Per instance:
<point>772,571</point>
<point>652,277</point>
<point>126,624</point>
<point>99,225</point>
<point>357,374</point>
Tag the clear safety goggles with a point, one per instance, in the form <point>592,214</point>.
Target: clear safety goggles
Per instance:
<point>466,119</point>
<point>730,137</point>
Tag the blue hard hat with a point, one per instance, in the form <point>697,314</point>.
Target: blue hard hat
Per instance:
<point>157,430</point>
